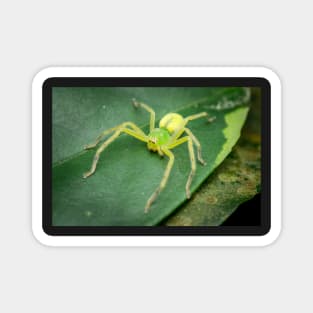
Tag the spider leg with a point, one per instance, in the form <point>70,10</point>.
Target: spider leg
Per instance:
<point>199,115</point>
<point>197,143</point>
<point>176,134</point>
<point>132,125</point>
<point>163,182</point>
<point>118,131</point>
<point>177,142</point>
<point>147,108</point>
<point>192,159</point>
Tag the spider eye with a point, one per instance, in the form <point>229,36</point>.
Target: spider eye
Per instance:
<point>153,140</point>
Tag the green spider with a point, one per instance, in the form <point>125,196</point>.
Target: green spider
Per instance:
<point>160,140</point>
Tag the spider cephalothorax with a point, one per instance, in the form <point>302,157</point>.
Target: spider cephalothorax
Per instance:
<point>160,140</point>
<point>158,137</point>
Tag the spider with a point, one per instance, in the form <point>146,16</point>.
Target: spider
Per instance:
<point>161,140</point>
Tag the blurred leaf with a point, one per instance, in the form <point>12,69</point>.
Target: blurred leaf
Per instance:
<point>127,173</point>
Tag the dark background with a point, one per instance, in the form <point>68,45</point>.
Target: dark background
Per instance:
<point>248,213</point>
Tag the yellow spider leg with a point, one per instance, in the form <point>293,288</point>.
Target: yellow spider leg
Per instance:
<point>197,143</point>
<point>192,159</point>
<point>176,135</point>
<point>147,108</point>
<point>177,142</point>
<point>195,116</point>
<point>118,131</point>
<point>110,130</point>
<point>193,167</point>
<point>164,179</point>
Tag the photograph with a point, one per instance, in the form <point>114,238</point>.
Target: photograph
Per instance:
<point>154,156</point>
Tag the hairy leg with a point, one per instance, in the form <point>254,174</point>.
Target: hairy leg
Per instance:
<point>195,116</point>
<point>197,143</point>
<point>192,159</point>
<point>118,131</point>
<point>147,108</point>
<point>131,125</point>
<point>164,179</point>
<point>199,115</point>
<point>193,167</point>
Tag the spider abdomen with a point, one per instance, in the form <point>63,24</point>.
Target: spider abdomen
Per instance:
<point>172,122</point>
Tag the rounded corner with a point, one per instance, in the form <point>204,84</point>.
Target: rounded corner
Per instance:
<point>41,236</point>
<point>270,75</point>
<point>271,236</point>
<point>43,75</point>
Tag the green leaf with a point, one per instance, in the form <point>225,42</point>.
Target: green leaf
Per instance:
<point>127,173</point>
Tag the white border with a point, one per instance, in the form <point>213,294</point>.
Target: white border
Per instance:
<point>276,140</point>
